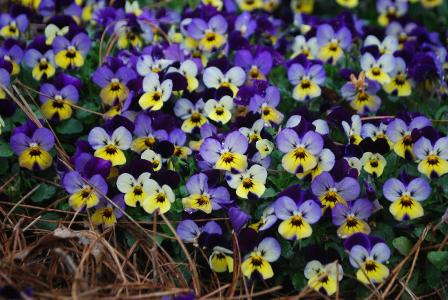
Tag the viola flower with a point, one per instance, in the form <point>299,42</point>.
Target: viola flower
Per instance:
<point>113,84</point>
<point>432,157</point>
<point>400,83</point>
<point>323,277</point>
<point>361,93</point>
<point>12,27</point>
<point>159,197</point>
<point>331,193</point>
<point>228,155</point>
<point>52,31</point>
<point>201,197</point>
<point>4,82</point>
<point>132,188</point>
<point>351,218</point>
<point>367,254</point>
<point>107,213</point>
<point>178,138</point>
<point>306,80</point>
<point>221,260</point>
<point>154,158</point>
<point>266,221</point>
<point>189,231</point>
<point>257,66</point>
<point>233,79</point>
<point>266,106</point>
<point>147,65</point>
<point>369,130</point>
<point>71,54</point>
<point>373,163</point>
<point>296,217</point>
<point>33,151</point>
<point>249,5</point>
<point>264,147</point>
<point>206,131</point>
<point>401,32</point>
<point>14,56</point>
<point>332,44</point>
<point>156,93</point>
<point>219,111</point>
<point>388,46</point>
<point>132,32</point>
<point>301,152</point>
<point>245,24</point>
<point>110,147</point>
<point>406,197</point>
<point>57,104</point>
<point>211,35</point>
<point>325,163</point>
<point>390,10</point>
<point>192,114</point>
<point>303,47</point>
<point>348,3</point>
<point>84,191</point>
<point>400,134</point>
<point>189,70</point>
<point>302,6</point>
<point>252,181</point>
<point>267,251</point>
<point>379,69</point>
<point>42,65</point>
<point>353,131</point>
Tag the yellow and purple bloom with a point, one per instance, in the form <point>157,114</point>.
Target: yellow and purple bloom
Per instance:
<point>106,213</point>
<point>388,46</point>
<point>353,130</point>
<point>362,96</point>
<point>84,192</point>
<point>42,65</point>
<point>178,138</point>
<point>159,197</point>
<point>267,219</point>
<point>146,136</point>
<point>146,65</point>
<point>302,46</point>
<point>13,27</point>
<point>332,44</point>
<point>261,257</point>
<point>211,35</point>
<point>256,66</point>
<point>215,78</point>
<point>57,104</point>
<point>133,188</point>
<point>192,114</point>
<point>221,260</point>
<point>331,192</point>
<point>266,106</point>
<point>110,147</point>
<point>245,24</point>
<point>400,83</point>
<point>390,10</point>
<point>13,54</point>
<point>380,69</point>
<point>156,93</point>
<point>71,54</point>
<point>351,218</point>
<point>306,80</point>
<point>249,183</point>
<point>323,278</point>
<point>432,156</point>
<point>219,111</point>
<point>189,70</point>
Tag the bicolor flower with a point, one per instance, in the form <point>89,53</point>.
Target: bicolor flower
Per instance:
<point>154,158</point>
<point>159,197</point>
<point>253,134</point>
<point>147,65</point>
<point>406,197</point>
<point>390,10</point>
<point>71,54</point>
<point>233,79</point>
<point>306,80</point>
<point>57,104</point>
<point>132,188</point>
<point>323,277</point>
<point>192,114</point>
<point>33,151</point>
<point>261,257</point>
<point>113,84</point>
<point>257,66</point>
<point>400,83</point>
<point>353,130</point>
<point>189,70</point>
<point>368,254</point>
<point>378,69</point>
<point>348,3</point>
<point>267,219</point>
<point>296,217</point>
<point>302,6</point>
<point>189,231</point>
<point>178,138</point>
<point>432,157</point>
<point>388,46</point>
<point>14,56</point>
<point>331,193</point>
<point>147,137</point>
<point>266,106</point>
<point>362,94</point>
<point>332,44</point>
<point>211,35</point>
<point>110,147</point>
<point>249,5</point>
<point>201,197</point>
<point>132,33</point>
<point>221,260</point>
<point>351,218</point>
<point>84,192</point>
<point>219,111</point>
<point>42,65</point>
<point>106,213</point>
<point>264,147</point>
<point>325,162</point>
<point>228,155</point>
<point>245,24</point>
<point>373,163</point>
<point>301,46</point>
<point>156,93</point>
<point>401,32</point>
<point>52,31</point>
<point>369,130</point>
<point>5,79</point>
<point>400,134</point>
<point>251,181</point>
<point>11,27</point>
<point>300,152</point>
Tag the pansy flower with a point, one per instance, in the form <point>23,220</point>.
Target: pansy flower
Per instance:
<point>159,197</point>
<point>406,197</point>
<point>5,79</point>
<point>379,69</point>
<point>57,104</point>
<point>323,277</point>
<point>390,10</point>
<point>156,93</point>
<point>221,260</point>
<point>331,192</point>
<point>388,46</point>
<point>373,163</point>
<point>300,152</point>
<point>190,232</point>
<point>33,151</point>
<point>12,27</point>
<point>368,254</point>
<point>71,53</point>
<point>192,114</point>
<point>257,66</point>
<point>132,188</point>
<point>146,65</point>
<point>353,130</point>
<point>306,80</point>
<point>202,197</point>
<point>245,24</point>
<point>106,213</point>
<point>401,32</point>
<point>267,219</point>
<point>232,79</point>
<point>189,70</point>
<point>211,35</point>
<point>13,54</point>
<point>351,217</point>
<point>332,44</point>
<point>266,106</point>
<point>400,83</point>
<point>369,130</point>
<point>308,48</point>
<point>42,65</point>
<point>296,217</point>
<point>178,138</point>
<point>400,134</point>
<point>227,155</point>
<point>432,156</point>
<point>132,32</point>
<point>110,147</point>
<point>84,191</point>
<point>253,134</point>
<point>219,111</point>
<point>261,257</point>
<point>155,159</point>
<point>302,6</point>
<point>348,3</point>
<point>361,93</point>
<point>146,136</point>
<point>249,5</point>
<point>250,182</point>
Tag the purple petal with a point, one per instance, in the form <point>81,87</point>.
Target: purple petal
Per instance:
<point>44,138</point>
<point>284,207</point>
<point>357,239</point>
<point>197,28</point>
<point>324,34</point>
<point>348,188</point>
<point>345,37</point>
<point>419,189</point>
<point>362,208</point>
<point>271,249</point>
<point>125,74</point>
<point>311,211</point>
<point>218,24</point>
<point>102,76</point>
<point>295,72</point>
<point>97,181</point>
<point>338,213</point>
<point>238,218</point>
<point>220,195</point>
<point>82,42</point>
<point>243,58</point>
<point>177,137</point>
<point>393,189</point>
<point>197,184</point>
<point>60,43</point>
<point>70,92</point>
<point>313,142</point>
<point>188,231</point>
<point>264,62</point>
<point>72,182</point>
<point>210,150</point>
<point>236,142</point>
<point>31,57</point>
<point>287,140</point>
<point>142,125</point>
<point>4,77</point>
<point>381,252</point>
<point>419,122</point>
<point>212,227</point>
<point>422,147</point>
<point>19,142</point>
<point>322,183</point>
<point>272,96</point>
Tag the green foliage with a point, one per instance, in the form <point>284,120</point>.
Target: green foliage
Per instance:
<point>402,244</point>
<point>43,192</point>
<point>70,126</point>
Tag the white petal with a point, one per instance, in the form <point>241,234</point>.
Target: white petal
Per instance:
<point>125,182</point>
<point>212,77</point>
<point>236,75</point>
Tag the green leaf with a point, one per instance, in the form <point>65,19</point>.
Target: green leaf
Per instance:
<point>269,193</point>
<point>298,281</point>
<point>43,192</point>
<point>402,244</point>
<point>287,249</point>
<point>70,126</point>
<point>439,259</point>
<point>48,225</point>
<point>5,149</point>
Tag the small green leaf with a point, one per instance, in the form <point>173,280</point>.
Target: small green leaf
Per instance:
<point>269,193</point>
<point>402,244</point>
<point>70,126</point>
<point>5,149</point>
<point>298,281</point>
<point>439,259</point>
<point>48,225</point>
<point>43,193</point>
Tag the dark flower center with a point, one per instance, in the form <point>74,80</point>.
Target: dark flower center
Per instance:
<point>160,198</point>
<point>35,152</point>
<point>371,266</point>
<point>58,104</point>
<point>111,150</point>
<point>228,158</point>
<point>107,213</point>
<point>256,261</point>
<point>296,221</point>
<point>433,160</point>
<point>248,183</point>
<point>352,222</point>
